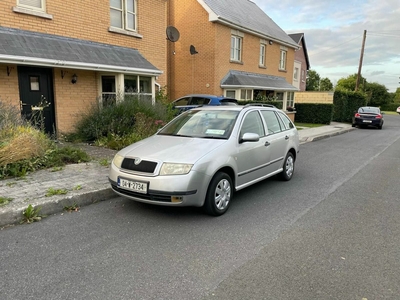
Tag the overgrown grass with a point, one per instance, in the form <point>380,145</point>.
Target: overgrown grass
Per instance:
<point>116,126</point>
<point>24,148</point>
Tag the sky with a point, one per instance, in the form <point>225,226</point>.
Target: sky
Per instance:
<point>333,32</point>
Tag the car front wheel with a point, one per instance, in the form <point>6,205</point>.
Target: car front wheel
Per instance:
<point>288,167</point>
<point>219,194</point>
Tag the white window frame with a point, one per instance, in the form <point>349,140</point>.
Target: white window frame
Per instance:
<point>125,13</point>
<point>296,74</point>
<point>248,94</point>
<point>228,92</point>
<point>289,99</point>
<point>26,4</point>
<point>263,48</point>
<point>282,60</point>
<point>236,48</point>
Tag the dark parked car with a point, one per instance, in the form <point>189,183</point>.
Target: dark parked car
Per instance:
<point>368,116</point>
<point>196,100</point>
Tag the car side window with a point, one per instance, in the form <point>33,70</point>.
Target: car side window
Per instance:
<point>199,101</point>
<point>272,121</point>
<point>181,102</point>
<point>252,124</point>
<point>288,123</point>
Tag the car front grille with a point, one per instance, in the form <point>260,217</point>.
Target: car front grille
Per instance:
<point>143,166</point>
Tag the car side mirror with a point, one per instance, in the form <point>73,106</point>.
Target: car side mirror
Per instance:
<point>250,137</point>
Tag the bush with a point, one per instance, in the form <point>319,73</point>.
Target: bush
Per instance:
<point>24,148</point>
<point>345,103</point>
<point>277,104</point>
<point>314,113</point>
<point>119,125</point>
<point>390,106</point>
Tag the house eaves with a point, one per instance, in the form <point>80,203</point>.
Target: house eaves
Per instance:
<point>246,80</point>
<point>22,47</point>
<point>299,39</point>
<point>255,21</point>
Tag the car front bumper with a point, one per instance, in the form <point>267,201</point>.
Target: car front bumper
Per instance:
<point>173,190</point>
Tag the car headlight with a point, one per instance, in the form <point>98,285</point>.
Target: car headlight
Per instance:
<point>175,169</point>
<point>117,161</point>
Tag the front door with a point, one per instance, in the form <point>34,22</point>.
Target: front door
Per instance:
<point>36,97</point>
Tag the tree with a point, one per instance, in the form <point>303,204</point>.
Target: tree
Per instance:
<point>312,82</point>
<point>325,85</point>
<point>377,94</point>
<point>349,83</point>
<point>397,95</point>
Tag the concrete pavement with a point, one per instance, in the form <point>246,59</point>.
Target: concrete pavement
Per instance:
<point>87,183</point>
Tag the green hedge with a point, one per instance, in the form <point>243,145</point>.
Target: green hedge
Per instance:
<point>314,113</point>
<point>390,106</point>
<point>345,103</point>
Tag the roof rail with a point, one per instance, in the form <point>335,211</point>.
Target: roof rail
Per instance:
<point>260,104</point>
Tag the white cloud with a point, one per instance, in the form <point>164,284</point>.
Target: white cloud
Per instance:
<point>334,32</point>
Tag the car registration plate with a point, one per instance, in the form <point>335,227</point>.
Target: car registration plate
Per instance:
<point>367,121</point>
<point>136,186</point>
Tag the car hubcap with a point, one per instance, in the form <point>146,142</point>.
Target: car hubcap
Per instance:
<point>289,166</point>
<point>222,194</point>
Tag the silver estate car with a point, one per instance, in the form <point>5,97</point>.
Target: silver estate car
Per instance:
<point>204,155</point>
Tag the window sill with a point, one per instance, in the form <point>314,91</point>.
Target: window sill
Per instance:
<point>236,62</point>
<point>125,32</point>
<point>282,70</point>
<point>262,67</point>
<point>32,12</point>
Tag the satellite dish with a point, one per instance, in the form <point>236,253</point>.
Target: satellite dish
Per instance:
<point>193,50</point>
<point>172,34</point>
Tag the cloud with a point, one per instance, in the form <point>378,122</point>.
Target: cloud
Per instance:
<point>334,31</point>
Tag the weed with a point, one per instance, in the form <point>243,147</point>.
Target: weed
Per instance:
<point>71,208</point>
<point>52,192</point>
<point>104,162</point>
<point>56,169</point>
<point>31,214</point>
<point>5,200</point>
<point>11,184</point>
<point>77,188</point>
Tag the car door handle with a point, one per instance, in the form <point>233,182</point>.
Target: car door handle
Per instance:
<point>286,137</point>
<point>267,144</point>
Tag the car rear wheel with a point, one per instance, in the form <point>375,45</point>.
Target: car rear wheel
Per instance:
<point>219,194</point>
<point>288,167</point>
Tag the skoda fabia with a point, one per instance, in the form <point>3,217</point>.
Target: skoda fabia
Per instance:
<point>204,155</point>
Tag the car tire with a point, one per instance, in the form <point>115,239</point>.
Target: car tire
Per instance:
<point>219,194</point>
<point>380,126</point>
<point>288,167</point>
<point>353,125</point>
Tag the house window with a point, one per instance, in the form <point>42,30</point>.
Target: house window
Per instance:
<point>236,48</point>
<point>123,14</point>
<point>231,94</point>
<point>246,94</point>
<point>289,100</point>
<point>296,74</point>
<point>32,4</point>
<point>108,90</point>
<point>282,62</point>
<point>262,55</point>
<point>139,86</point>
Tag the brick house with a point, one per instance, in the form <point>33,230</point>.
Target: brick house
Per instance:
<point>74,54</point>
<point>230,48</point>
<point>301,62</point>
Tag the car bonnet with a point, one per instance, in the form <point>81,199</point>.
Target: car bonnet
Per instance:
<point>172,148</point>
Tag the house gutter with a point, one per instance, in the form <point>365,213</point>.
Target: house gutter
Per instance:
<point>43,62</point>
<point>225,86</point>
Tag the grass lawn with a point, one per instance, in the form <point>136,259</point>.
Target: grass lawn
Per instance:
<point>390,112</point>
<point>308,124</point>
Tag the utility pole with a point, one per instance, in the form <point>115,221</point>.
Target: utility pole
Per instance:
<point>361,60</point>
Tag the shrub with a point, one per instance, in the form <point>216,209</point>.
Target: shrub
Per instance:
<point>316,113</point>
<point>117,126</point>
<point>345,103</point>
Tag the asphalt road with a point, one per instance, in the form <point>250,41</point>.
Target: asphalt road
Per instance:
<point>332,232</point>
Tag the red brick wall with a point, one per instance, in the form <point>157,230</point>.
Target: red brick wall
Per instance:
<point>202,72</point>
<point>84,20</point>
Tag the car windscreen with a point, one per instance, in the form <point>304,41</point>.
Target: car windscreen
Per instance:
<point>202,123</point>
<point>373,110</point>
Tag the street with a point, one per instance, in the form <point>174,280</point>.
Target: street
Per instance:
<point>332,232</point>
